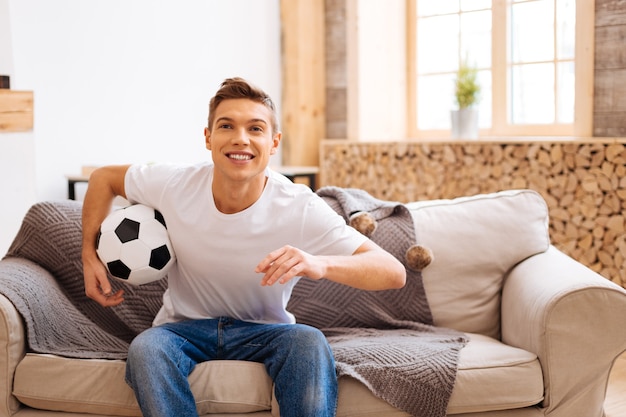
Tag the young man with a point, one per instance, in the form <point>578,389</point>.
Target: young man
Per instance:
<point>243,236</point>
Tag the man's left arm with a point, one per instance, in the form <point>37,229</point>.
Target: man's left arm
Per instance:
<point>368,268</point>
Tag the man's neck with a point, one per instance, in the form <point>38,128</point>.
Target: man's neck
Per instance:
<point>235,197</point>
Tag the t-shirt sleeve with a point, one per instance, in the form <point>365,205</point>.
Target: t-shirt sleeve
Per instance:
<point>327,232</point>
<point>145,184</point>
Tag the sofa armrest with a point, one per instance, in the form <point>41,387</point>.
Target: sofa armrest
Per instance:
<point>572,319</point>
<point>12,345</point>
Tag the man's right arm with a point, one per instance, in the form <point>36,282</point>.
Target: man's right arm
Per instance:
<point>104,185</point>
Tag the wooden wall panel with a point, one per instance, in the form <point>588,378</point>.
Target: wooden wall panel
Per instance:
<point>610,69</point>
<point>610,48</point>
<point>336,69</point>
<point>583,182</point>
<point>610,12</point>
<point>16,111</point>
<point>304,93</point>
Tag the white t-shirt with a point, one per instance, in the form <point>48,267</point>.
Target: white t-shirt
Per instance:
<point>217,253</point>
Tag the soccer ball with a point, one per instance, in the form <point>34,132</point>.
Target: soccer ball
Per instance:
<point>134,245</point>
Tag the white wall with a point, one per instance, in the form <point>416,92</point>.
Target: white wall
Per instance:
<point>6,50</point>
<point>17,165</point>
<point>123,81</point>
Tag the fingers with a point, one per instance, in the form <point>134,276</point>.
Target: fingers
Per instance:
<point>106,298</point>
<point>281,274</point>
<point>111,299</point>
<point>281,265</point>
<point>98,287</point>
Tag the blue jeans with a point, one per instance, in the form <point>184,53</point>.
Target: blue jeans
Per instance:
<point>296,357</point>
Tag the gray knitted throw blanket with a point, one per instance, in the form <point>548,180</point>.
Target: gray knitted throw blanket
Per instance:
<point>42,275</point>
<point>384,339</point>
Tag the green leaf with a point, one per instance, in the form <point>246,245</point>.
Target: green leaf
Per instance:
<point>467,88</point>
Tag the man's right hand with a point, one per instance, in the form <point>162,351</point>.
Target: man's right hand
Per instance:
<point>104,184</point>
<point>97,285</point>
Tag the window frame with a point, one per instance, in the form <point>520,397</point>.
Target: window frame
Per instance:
<point>584,61</point>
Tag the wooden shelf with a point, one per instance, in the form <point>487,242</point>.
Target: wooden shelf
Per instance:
<point>16,111</point>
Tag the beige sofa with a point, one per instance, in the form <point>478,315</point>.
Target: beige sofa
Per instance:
<point>544,330</point>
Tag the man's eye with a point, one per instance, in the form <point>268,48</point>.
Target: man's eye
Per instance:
<point>256,128</point>
<point>225,126</point>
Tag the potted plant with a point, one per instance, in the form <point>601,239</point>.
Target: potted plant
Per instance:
<point>466,92</point>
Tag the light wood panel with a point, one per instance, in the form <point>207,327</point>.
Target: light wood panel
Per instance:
<point>16,111</point>
<point>304,85</point>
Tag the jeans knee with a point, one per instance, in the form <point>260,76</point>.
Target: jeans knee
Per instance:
<point>305,380</point>
<point>307,334</point>
<point>150,346</point>
<point>309,339</point>
<point>156,351</point>
<point>142,345</point>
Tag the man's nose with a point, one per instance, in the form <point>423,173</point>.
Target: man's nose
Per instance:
<point>241,136</point>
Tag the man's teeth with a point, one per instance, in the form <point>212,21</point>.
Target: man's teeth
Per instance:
<point>240,157</point>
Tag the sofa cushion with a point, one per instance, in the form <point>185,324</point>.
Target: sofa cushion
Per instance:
<point>475,241</point>
<point>485,367</point>
<point>494,376</point>
<point>97,386</point>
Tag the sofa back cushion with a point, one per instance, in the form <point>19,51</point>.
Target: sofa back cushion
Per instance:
<point>475,241</point>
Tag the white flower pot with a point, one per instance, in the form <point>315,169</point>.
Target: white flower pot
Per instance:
<point>464,124</point>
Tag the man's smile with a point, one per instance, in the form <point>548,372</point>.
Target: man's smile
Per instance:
<point>240,156</point>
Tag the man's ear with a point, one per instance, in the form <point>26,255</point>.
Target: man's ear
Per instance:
<point>207,138</point>
<point>275,142</point>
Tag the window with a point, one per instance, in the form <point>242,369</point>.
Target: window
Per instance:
<point>534,60</point>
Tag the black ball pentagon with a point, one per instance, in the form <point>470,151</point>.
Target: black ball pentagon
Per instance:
<point>127,230</point>
<point>159,217</point>
<point>119,269</point>
<point>159,257</point>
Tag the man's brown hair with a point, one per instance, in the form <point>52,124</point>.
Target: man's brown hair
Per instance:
<point>233,88</point>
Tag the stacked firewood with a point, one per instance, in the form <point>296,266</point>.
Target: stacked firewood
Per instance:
<point>583,182</point>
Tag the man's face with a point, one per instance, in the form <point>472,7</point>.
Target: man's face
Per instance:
<point>241,139</point>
